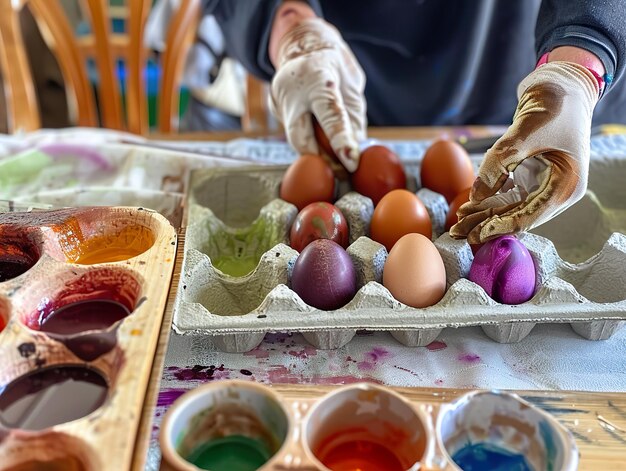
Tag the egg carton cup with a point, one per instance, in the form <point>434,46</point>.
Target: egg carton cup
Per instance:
<point>122,354</point>
<point>237,312</point>
<point>300,432</point>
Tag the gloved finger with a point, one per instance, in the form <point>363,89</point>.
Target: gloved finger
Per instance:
<point>352,90</point>
<point>556,192</point>
<point>356,109</point>
<point>329,108</point>
<point>471,225</point>
<point>300,134</point>
<point>498,163</point>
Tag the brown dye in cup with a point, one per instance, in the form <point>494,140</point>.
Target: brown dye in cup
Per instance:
<point>39,400</point>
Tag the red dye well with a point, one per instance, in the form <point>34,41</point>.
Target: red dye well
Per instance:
<point>360,455</point>
<point>96,314</point>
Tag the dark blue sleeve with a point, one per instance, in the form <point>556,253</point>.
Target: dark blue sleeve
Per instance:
<point>597,26</point>
<point>246,25</point>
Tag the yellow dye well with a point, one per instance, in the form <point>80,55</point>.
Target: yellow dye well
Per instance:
<point>123,244</point>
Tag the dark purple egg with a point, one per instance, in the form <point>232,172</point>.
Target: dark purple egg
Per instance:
<point>504,268</point>
<point>324,276</point>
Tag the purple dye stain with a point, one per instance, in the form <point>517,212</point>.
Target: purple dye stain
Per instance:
<point>168,396</point>
<point>468,358</point>
<point>246,372</point>
<point>199,373</point>
<point>307,351</point>
<point>439,382</point>
<point>365,366</point>
<point>436,346</point>
<point>377,353</point>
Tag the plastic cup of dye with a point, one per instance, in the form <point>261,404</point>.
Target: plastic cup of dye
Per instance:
<point>498,431</point>
<point>366,427</point>
<point>224,426</point>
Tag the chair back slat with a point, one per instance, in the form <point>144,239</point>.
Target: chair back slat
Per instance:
<point>19,88</point>
<point>136,104</point>
<point>59,36</point>
<point>179,37</point>
<point>109,90</point>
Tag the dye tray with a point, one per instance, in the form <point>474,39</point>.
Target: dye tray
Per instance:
<point>235,214</point>
<point>360,424</point>
<point>117,256</point>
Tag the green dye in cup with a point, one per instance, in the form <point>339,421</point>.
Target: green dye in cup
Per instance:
<point>235,266</point>
<point>232,453</point>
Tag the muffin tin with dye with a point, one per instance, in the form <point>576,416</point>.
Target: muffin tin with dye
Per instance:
<point>236,223</point>
<point>82,296</point>
<point>245,426</point>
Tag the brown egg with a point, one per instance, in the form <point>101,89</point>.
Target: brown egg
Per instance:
<point>460,199</point>
<point>414,272</point>
<point>400,212</point>
<point>308,180</point>
<point>379,172</point>
<point>447,169</point>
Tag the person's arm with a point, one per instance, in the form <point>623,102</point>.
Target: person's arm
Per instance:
<point>582,49</point>
<point>247,27</point>
<point>565,27</point>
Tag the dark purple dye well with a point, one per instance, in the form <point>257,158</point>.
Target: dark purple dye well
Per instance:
<point>51,396</point>
<point>97,314</point>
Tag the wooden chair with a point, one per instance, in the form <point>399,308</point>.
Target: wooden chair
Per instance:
<point>105,49</point>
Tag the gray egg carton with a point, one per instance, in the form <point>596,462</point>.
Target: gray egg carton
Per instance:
<point>237,211</point>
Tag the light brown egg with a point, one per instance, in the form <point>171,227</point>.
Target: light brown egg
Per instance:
<point>414,272</point>
<point>447,169</point>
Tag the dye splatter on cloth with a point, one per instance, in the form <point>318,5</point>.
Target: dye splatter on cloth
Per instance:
<point>552,357</point>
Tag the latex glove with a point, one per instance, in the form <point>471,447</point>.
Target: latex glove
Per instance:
<point>317,73</point>
<point>547,148</point>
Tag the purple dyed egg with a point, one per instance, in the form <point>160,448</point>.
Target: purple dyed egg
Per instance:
<point>504,268</point>
<point>324,276</point>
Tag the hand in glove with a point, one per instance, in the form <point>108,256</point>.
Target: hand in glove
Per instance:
<point>316,73</point>
<point>547,148</point>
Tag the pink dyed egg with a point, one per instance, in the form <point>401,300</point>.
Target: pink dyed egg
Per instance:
<point>504,268</point>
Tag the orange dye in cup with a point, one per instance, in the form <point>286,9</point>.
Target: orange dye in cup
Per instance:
<point>359,455</point>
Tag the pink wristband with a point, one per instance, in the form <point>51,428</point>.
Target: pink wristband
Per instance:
<point>544,60</point>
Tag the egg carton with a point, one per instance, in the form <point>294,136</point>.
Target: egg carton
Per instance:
<point>56,244</point>
<point>232,210</point>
